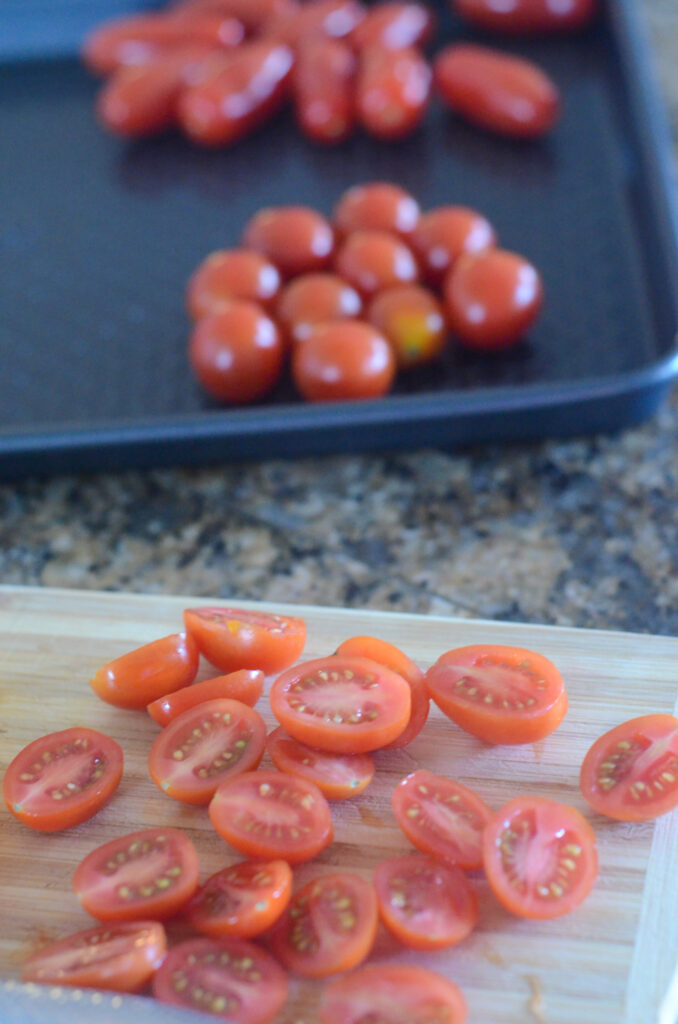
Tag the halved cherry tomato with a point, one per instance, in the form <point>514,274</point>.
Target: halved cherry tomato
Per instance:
<point>344,359</point>
<point>377,206</point>
<point>120,957</point>
<point>631,772</point>
<point>337,776</point>
<point>298,240</point>
<point>230,978</point>
<point>271,815</point>
<point>242,900</point>
<point>344,705</point>
<point>316,298</point>
<point>329,926</point>
<point>233,638</point>
<point>521,17</point>
<point>141,676</point>
<point>204,746</point>
<point>444,234</point>
<point>424,903</point>
<point>334,19</point>
<point>374,260</point>
<point>442,818</point>
<point>412,320</point>
<point>323,85</point>
<point>499,694</point>
<point>62,779</point>
<point>394,25</point>
<point>245,685</point>
<point>392,91</point>
<point>540,857</point>
<point>398,994</point>
<point>148,874</point>
<point>237,354</point>
<point>252,13</point>
<point>231,274</point>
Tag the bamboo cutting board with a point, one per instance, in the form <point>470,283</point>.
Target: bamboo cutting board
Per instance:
<point>610,962</point>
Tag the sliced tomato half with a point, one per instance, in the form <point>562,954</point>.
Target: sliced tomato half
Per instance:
<point>246,685</point>
<point>242,900</point>
<point>337,776</point>
<point>396,994</point>
<point>234,638</point>
<point>141,676</point>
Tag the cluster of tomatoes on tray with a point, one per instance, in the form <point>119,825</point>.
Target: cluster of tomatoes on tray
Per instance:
<point>335,714</point>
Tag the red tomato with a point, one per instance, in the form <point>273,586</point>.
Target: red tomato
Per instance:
<point>324,89</point>
<point>298,240</point>
<point>499,694</point>
<point>392,91</point>
<point>518,17</point>
<point>374,260</point>
<point>412,320</point>
<point>231,274</point>
<point>147,874</point>
<point>424,903</point>
<point>252,13</point>
<point>492,298</point>
<point>444,234</point>
<point>269,815</point>
<point>204,746</point>
<point>393,995</point>
<point>337,776</point>
<point>540,857</point>
<point>237,354</point>
<point>334,19</point>
<point>230,978</point>
<point>246,686</point>
<point>442,818</point>
<point>392,657</point>
<point>377,206</point>
<point>343,360</point>
<point>62,779</point>
<point>233,638</point>
<point>242,900</point>
<point>504,94</point>
<point>315,298</point>
<point>631,772</point>
<point>120,957</point>
<point>394,25</point>
<point>344,705</point>
<point>141,676</point>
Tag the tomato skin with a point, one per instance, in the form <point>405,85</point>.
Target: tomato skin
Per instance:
<point>241,900</point>
<point>446,233</point>
<point>337,776</point>
<point>252,13</point>
<point>527,17</point>
<point>631,772</point>
<point>343,360</point>
<point>228,275</point>
<point>413,321</point>
<point>141,676</point>
<point>377,206</point>
<point>233,638</point>
<point>394,25</point>
<point>36,806</point>
<point>332,19</point>
<point>298,239</point>
<point>119,864</point>
<point>237,354</point>
<point>315,298</point>
<point>392,91</point>
<point>126,957</point>
<point>323,90</point>
<point>397,994</point>
<point>245,685</point>
<point>374,260</point>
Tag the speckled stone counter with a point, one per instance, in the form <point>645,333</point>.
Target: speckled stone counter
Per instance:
<point>580,533</point>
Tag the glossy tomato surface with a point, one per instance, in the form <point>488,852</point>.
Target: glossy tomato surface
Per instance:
<point>329,19</point>
<point>343,360</point>
<point>228,275</point>
<point>141,676</point>
<point>394,25</point>
<point>237,354</point>
<point>392,91</point>
<point>412,320</point>
<point>323,87</point>
<point>245,685</point>
<point>298,239</point>
<point>444,234</point>
<point>242,900</point>
<point>313,299</point>
<point>62,779</point>
<point>235,638</point>
<point>337,776</point>
<point>397,994</point>
<point>374,260</point>
<point>376,206</point>
<point>252,13</point>
<point>527,17</point>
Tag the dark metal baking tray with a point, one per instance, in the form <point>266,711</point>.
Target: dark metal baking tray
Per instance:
<point>98,237</point>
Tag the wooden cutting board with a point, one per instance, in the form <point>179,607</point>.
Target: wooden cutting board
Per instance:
<point>611,961</point>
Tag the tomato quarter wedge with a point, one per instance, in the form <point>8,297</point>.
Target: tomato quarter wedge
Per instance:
<point>329,926</point>
<point>540,857</point>
<point>631,772</point>
<point>62,779</point>
<point>121,957</point>
<point>246,686</point>
<point>337,776</point>
<point>393,995</point>
<point>149,672</point>
<point>232,638</point>
<point>442,818</point>
<point>499,694</point>
<point>242,900</point>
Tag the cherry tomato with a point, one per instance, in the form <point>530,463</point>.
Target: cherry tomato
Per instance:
<point>141,676</point>
<point>499,694</point>
<point>237,354</point>
<point>492,298</point>
<point>518,17</point>
<point>442,818</point>
<point>444,234</point>
<point>343,360</point>
<point>343,705</point>
<point>149,874</point>
<point>493,90</point>
<point>337,776</point>
<point>412,320</point>
<point>392,91</point>
<point>394,25</point>
<point>229,978</point>
<point>374,260</point>
<point>324,90</point>
<point>540,857</point>
<point>270,815</point>
<point>298,240</point>
<point>329,926</point>
<point>631,772</point>
<point>398,994</point>
<point>204,746</point>
<point>424,903</point>
<point>392,657</point>
<point>245,685</point>
<point>62,779</point>
<point>377,206</point>
<point>233,638</point>
<point>252,13</point>
<point>334,19</point>
<point>242,900</point>
<point>315,298</point>
<point>231,274</point>
<point>120,957</point>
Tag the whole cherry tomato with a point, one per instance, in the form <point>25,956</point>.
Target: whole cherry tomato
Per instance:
<point>323,85</point>
<point>343,360</point>
<point>377,206</point>
<point>492,298</point>
<point>504,94</point>
<point>374,260</point>
<point>252,13</point>
<point>334,19</point>
<point>230,274</point>
<point>315,298</point>
<point>518,17</point>
<point>394,25</point>
<point>297,238</point>
<point>412,319</point>
<point>146,673</point>
<point>443,234</point>
<point>392,91</point>
<point>237,354</point>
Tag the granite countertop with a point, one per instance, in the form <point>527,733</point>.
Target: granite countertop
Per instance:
<point>581,533</point>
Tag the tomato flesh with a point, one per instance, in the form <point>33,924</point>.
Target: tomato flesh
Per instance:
<point>337,776</point>
<point>233,638</point>
<point>242,900</point>
<point>246,686</point>
<point>393,995</point>
<point>149,672</point>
